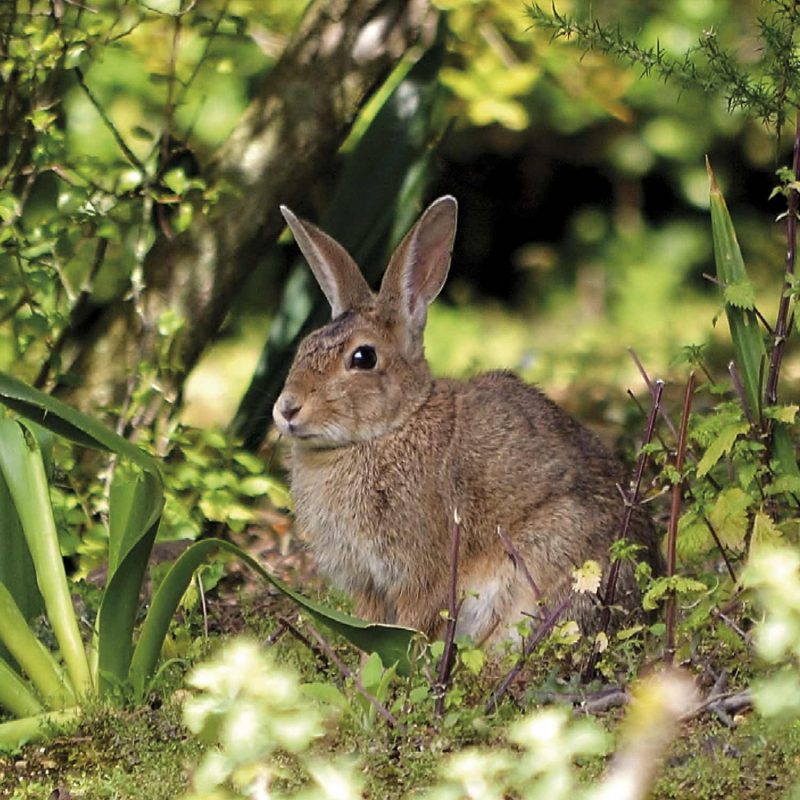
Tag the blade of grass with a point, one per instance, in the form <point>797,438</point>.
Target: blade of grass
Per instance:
<point>21,464</point>
<point>748,341</point>
<point>391,642</point>
<point>31,655</point>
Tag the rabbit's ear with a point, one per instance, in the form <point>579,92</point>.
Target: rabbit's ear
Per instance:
<point>337,274</point>
<point>418,268</point>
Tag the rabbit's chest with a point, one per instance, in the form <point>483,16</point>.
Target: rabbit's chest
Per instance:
<point>358,520</point>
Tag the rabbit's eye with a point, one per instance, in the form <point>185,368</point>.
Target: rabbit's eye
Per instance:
<point>364,357</point>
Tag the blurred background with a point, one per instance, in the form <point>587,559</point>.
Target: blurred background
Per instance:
<point>581,182</point>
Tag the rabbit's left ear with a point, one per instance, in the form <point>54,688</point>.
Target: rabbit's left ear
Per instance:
<point>337,274</point>
<point>418,269</point>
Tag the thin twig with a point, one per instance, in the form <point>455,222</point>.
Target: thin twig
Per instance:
<point>294,631</point>
<point>651,386</point>
<point>721,549</point>
<point>127,152</point>
<point>672,530</point>
<point>718,614</point>
<point>781,325</point>
<point>370,698</point>
<point>453,607</point>
<point>531,644</point>
<point>739,389</point>
<point>519,562</point>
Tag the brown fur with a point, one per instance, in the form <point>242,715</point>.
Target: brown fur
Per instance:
<point>381,459</point>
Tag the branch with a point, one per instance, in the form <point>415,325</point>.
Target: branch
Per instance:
<point>672,530</point>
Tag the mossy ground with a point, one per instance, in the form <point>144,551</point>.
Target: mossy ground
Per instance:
<point>147,753</point>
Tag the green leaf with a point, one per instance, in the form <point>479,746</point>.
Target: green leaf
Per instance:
<point>786,413</point>
<point>729,516</point>
<point>748,341</point>
<point>327,693</point>
<point>740,295</point>
<point>666,585</point>
<point>16,567</point>
<point>35,661</point>
<point>18,732</point>
<point>720,446</point>
<point>391,642</point>
<point>15,696</point>
<point>765,531</point>
<point>473,659</point>
<point>22,467</point>
<point>58,417</point>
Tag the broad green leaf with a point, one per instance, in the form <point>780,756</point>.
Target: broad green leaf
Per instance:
<point>661,587</point>
<point>783,448</point>
<point>748,342</point>
<point>15,696</point>
<point>136,502</point>
<point>18,732</point>
<point>22,467</point>
<point>16,566</point>
<point>117,615</point>
<point>58,417</point>
<point>31,655</point>
<point>389,641</point>
<point>720,446</point>
<point>327,693</point>
<point>784,484</point>
<point>473,659</point>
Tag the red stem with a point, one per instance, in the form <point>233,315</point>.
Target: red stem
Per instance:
<point>672,530</point>
<point>782,323</point>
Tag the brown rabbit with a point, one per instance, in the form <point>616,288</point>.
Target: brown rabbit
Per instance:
<point>383,455</point>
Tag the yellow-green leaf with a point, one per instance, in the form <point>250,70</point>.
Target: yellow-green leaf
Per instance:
<point>720,446</point>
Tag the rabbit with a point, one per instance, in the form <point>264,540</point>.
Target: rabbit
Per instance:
<point>383,456</point>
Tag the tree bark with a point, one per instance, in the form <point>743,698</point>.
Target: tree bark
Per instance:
<point>341,53</point>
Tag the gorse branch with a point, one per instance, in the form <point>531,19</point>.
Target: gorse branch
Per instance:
<point>764,90</point>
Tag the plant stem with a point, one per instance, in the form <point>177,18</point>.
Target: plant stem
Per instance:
<point>672,530</point>
<point>631,503</point>
<point>531,644</point>
<point>446,664</point>
<point>781,324</point>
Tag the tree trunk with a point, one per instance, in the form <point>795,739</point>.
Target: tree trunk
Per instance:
<point>291,132</point>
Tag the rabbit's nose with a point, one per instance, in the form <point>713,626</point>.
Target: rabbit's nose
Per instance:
<point>288,406</point>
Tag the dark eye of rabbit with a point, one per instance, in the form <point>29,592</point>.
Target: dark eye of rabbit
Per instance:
<point>364,357</point>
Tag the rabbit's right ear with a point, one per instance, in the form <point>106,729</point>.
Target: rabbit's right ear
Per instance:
<point>337,274</point>
<point>419,266</point>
